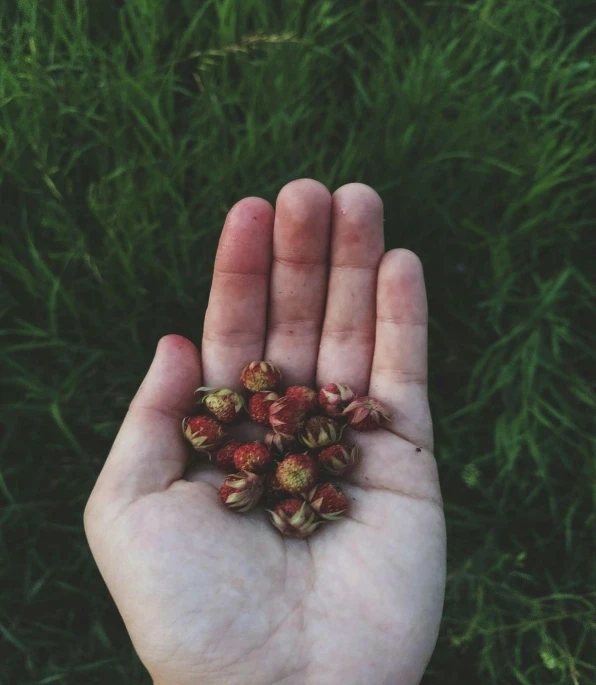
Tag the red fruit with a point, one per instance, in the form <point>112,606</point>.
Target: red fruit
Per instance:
<point>328,501</point>
<point>307,397</point>
<point>274,493</point>
<point>280,443</point>
<point>297,473</point>
<point>337,459</point>
<point>294,518</point>
<point>253,457</point>
<point>334,398</point>
<point>226,405</point>
<point>320,431</point>
<point>366,414</point>
<point>259,404</point>
<point>203,432</point>
<point>286,416</point>
<point>241,491</point>
<point>258,376</point>
<point>225,456</point>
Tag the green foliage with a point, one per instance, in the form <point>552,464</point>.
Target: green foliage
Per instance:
<point>127,129</point>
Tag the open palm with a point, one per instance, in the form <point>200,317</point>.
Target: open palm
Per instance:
<point>210,596</point>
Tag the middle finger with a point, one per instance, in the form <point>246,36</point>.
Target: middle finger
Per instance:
<point>298,287</point>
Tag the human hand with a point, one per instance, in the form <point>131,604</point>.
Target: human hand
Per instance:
<point>213,597</point>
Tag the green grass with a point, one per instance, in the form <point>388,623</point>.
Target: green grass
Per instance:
<point>127,129</point>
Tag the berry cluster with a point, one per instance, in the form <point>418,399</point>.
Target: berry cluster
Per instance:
<point>303,443</point>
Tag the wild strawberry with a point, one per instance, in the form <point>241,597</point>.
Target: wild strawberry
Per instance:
<point>294,518</point>
<point>320,431</point>
<point>286,416</point>
<point>224,457</point>
<point>337,459</point>
<point>307,397</point>
<point>258,406</point>
<point>203,432</point>
<point>258,376</point>
<point>297,473</point>
<point>282,444</point>
<point>241,491</point>
<point>253,457</point>
<point>328,501</point>
<point>226,405</point>
<point>366,414</point>
<point>334,398</point>
<point>273,493</point>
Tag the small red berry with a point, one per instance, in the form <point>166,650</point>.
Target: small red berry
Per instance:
<point>320,431</point>
<point>203,432</point>
<point>226,405</point>
<point>366,414</point>
<point>297,473</point>
<point>334,398</point>
<point>224,457</point>
<point>253,457</point>
<point>258,376</point>
<point>307,397</point>
<point>294,518</point>
<point>329,501</point>
<point>241,491</point>
<point>280,443</point>
<point>286,416</point>
<point>259,404</point>
<point>337,459</point>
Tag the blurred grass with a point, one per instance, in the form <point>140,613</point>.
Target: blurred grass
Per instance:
<point>127,129</point>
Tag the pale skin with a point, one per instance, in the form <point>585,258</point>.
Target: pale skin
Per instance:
<point>212,597</point>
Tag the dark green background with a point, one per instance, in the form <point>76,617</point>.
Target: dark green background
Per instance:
<point>127,129</point>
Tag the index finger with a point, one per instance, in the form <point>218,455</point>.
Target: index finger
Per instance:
<point>236,318</point>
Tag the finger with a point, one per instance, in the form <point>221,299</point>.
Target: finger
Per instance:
<point>149,452</point>
<point>298,278</point>
<point>348,337</point>
<point>236,318</point>
<point>399,370</point>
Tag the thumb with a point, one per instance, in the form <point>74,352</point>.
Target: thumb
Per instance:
<point>149,452</point>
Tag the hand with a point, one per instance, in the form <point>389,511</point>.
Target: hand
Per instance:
<point>213,597</point>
